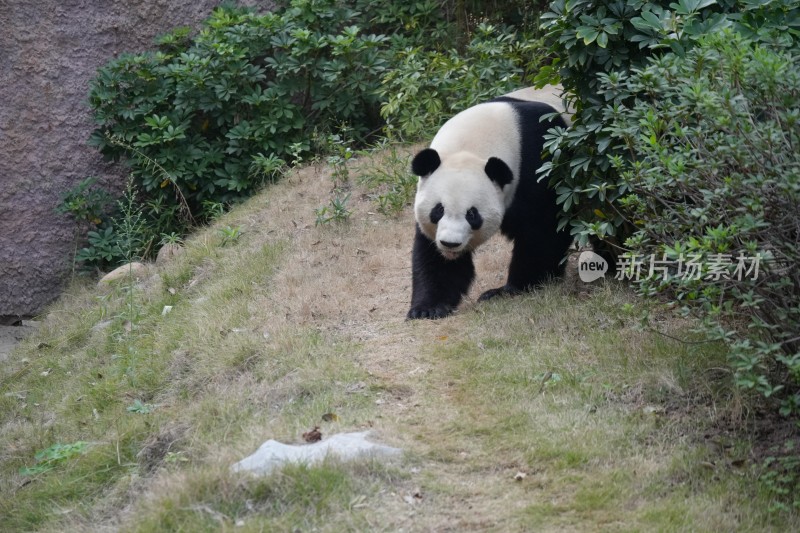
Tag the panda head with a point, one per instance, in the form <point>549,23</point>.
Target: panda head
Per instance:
<point>460,201</point>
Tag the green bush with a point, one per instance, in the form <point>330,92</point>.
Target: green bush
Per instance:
<point>425,87</point>
<point>206,110</point>
<point>641,92</point>
<point>688,157</point>
<point>205,120</point>
<point>714,178</point>
<point>595,45</point>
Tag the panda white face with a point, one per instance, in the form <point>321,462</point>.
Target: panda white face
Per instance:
<point>458,206</point>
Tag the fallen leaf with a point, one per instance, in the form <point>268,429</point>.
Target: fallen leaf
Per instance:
<point>312,436</point>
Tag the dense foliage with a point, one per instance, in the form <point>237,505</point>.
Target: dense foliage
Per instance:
<point>685,153</point>
<point>425,87</point>
<point>205,120</point>
<point>714,197</point>
<point>595,45</point>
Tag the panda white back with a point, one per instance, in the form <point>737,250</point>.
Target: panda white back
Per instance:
<point>485,130</point>
<point>550,95</point>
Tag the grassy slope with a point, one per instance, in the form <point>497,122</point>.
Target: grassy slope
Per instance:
<point>609,427</point>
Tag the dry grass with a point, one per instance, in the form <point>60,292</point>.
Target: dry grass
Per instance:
<point>607,425</point>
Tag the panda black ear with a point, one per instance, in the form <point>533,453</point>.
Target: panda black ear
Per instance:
<point>425,162</point>
<point>498,172</point>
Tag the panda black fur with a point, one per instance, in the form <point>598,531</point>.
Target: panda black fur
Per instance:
<point>478,177</point>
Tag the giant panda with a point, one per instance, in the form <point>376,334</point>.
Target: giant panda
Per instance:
<point>479,177</point>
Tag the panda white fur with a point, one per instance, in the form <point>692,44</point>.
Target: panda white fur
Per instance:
<point>478,177</point>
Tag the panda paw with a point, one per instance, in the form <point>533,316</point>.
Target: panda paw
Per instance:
<point>505,290</point>
<point>432,313</point>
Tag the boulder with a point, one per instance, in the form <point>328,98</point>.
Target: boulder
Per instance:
<point>168,252</point>
<point>134,270</point>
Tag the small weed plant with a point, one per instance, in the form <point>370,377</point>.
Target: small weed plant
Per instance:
<point>140,408</point>
<point>341,154</point>
<point>335,212</point>
<point>55,455</point>
<point>780,477</point>
<point>229,235</point>
<point>86,202</point>
<point>391,184</point>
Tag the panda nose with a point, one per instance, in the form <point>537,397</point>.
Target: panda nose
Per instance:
<point>447,244</point>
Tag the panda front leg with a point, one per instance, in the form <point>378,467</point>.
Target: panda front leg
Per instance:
<point>437,284</point>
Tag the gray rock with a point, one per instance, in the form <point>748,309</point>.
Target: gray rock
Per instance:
<point>345,446</point>
<point>133,270</point>
<point>49,50</point>
<point>168,252</point>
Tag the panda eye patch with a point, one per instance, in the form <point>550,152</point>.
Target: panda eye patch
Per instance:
<point>437,213</point>
<point>474,218</point>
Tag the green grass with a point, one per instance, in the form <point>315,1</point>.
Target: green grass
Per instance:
<point>298,498</point>
<point>612,427</point>
<point>608,424</point>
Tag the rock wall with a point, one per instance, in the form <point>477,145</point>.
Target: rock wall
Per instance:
<point>49,51</point>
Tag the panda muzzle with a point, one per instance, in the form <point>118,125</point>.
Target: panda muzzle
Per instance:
<point>451,250</point>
